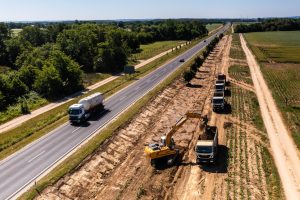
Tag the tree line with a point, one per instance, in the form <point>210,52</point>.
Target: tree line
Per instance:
<point>190,73</point>
<point>51,59</point>
<point>270,25</point>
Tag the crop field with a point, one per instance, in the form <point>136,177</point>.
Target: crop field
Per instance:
<point>251,172</point>
<point>279,47</point>
<point>150,50</point>
<point>211,27</point>
<point>236,51</point>
<point>240,73</point>
<point>278,53</point>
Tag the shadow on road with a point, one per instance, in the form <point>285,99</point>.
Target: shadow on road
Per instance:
<point>99,115</point>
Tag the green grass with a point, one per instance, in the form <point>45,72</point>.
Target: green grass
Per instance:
<point>278,53</point>
<point>16,31</point>
<point>92,78</point>
<point>33,100</point>
<point>280,47</point>
<point>236,51</point>
<point>211,27</point>
<point>240,73</point>
<point>91,146</point>
<point>13,140</point>
<point>4,69</point>
<point>155,48</point>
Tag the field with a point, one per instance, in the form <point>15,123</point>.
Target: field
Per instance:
<point>16,31</point>
<point>236,51</point>
<point>155,48</point>
<point>240,73</point>
<point>211,27</point>
<point>278,47</point>
<point>278,53</point>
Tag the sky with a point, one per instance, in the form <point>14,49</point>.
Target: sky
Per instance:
<point>39,10</point>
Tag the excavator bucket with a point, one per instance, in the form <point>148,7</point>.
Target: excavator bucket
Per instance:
<point>194,114</point>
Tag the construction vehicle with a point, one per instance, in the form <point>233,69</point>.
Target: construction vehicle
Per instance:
<point>207,145</point>
<point>219,87</point>
<point>221,77</point>
<point>81,111</point>
<point>218,101</point>
<point>166,151</point>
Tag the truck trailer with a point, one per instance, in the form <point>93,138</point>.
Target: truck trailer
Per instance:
<point>87,106</point>
<point>218,101</point>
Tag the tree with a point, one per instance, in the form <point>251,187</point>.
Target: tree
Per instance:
<point>33,62</point>
<point>3,102</point>
<point>80,44</point>
<point>14,47</point>
<point>48,82</point>
<point>110,59</point>
<point>199,61</point>
<point>4,35</point>
<point>34,35</point>
<point>188,76</point>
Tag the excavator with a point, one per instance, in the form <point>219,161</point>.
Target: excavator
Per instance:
<point>166,151</point>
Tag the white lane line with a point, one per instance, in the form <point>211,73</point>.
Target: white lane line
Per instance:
<point>76,129</point>
<point>29,161</point>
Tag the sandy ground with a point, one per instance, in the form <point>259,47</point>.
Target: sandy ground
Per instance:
<point>119,169</point>
<point>22,119</point>
<point>283,147</point>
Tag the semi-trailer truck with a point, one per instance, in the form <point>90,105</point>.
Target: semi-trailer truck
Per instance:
<point>81,111</point>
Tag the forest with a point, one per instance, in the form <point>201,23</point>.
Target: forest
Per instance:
<point>51,59</point>
<point>270,25</point>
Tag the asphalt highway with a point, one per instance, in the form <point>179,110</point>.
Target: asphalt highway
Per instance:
<point>25,166</point>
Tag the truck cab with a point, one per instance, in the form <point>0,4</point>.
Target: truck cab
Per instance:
<point>76,113</point>
<point>207,145</point>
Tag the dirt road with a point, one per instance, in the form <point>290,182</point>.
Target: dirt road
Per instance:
<point>283,147</point>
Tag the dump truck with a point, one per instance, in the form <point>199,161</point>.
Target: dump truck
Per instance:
<point>166,151</point>
<point>219,87</point>
<point>218,101</point>
<point>221,77</point>
<point>207,145</point>
<point>87,106</point>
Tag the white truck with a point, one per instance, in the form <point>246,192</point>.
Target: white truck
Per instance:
<point>81,111</point>
<point>207,145</point>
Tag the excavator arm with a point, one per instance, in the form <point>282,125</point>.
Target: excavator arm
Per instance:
<point>179,123</point>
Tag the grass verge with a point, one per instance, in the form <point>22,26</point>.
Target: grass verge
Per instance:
<point>70,164</point>
<point>155,48</point>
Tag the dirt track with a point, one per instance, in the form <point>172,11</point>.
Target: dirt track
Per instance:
<point>283,147</point>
